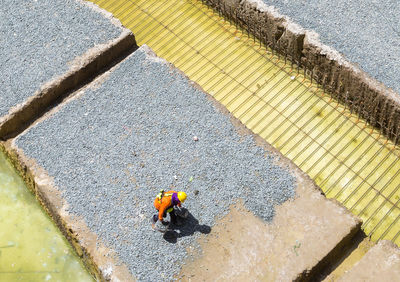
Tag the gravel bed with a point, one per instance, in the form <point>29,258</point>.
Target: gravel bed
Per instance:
<point>367,32</point>
<point>38,39</point>
<point>114,147</point>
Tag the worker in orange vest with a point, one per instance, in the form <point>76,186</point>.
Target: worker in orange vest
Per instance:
<point>170,202</point>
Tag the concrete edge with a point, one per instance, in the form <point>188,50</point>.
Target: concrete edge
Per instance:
<point>380,263</point>
<point>346,243</point>
<point>334,256</point>
<point>101,11</point>
<point>389,244</point>
<point>82,70</point>
<point>346,82</point>
<point>100,261</point>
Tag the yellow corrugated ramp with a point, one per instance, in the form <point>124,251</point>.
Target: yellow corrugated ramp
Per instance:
<point>349,160</point>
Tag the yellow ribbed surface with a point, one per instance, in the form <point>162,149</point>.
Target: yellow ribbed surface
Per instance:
<point>349,160</point>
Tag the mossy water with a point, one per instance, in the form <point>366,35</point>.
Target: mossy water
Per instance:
<point>31,246</point>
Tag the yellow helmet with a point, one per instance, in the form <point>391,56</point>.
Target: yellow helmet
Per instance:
<point>182,196</point>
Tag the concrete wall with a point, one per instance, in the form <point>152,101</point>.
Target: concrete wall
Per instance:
<point>346,82</point>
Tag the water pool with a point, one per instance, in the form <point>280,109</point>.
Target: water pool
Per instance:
<point>31,246</point>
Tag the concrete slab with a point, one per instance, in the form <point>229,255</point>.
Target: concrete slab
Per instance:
<point>307,233</point>
<point>47,49</point>
<point>381,263</point>
<point>98,160</point>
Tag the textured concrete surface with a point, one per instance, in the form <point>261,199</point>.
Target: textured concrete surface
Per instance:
<point>381,263</point>
<point>42,40</point>
<point>366,32</point>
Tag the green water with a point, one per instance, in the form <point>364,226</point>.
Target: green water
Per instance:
<point>31,246</point>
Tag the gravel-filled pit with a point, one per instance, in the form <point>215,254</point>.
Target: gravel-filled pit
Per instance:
<point>114,146</point>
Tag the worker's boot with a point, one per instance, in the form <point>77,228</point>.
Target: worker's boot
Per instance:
<point>161,226</point>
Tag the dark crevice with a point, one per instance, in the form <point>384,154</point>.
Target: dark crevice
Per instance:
<point>330,267</point>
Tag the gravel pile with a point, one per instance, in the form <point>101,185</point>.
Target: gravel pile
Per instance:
<point>38,39</point>
<point>367,32</point>
<point>113,148</point>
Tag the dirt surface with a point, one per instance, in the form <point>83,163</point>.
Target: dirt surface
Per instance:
<point>381,263</point>
<point>303,237</point>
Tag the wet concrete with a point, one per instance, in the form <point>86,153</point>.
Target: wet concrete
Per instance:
<point>307,234</point>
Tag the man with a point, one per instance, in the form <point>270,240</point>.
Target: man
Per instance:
<point>170,202</point>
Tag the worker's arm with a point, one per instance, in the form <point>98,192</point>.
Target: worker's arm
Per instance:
<point>161,212</point>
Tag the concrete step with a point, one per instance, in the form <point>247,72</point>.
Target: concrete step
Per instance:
<point>380,263</point>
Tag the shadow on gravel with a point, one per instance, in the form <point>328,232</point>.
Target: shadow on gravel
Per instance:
<point>189,226</point>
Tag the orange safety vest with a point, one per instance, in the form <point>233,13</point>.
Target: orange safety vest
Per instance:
<point>163,203</point>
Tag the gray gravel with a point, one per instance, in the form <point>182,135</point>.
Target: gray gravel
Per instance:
<point>367,32</point>
<point>112,149</point>
<point>38,39</point>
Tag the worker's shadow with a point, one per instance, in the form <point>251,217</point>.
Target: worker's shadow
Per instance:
<point>189,226</point>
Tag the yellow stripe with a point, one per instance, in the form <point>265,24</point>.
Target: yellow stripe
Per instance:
<point>348,159</point>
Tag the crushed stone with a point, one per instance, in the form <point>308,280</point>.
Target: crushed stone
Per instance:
<point>39,38</point>
<point>112,149</point>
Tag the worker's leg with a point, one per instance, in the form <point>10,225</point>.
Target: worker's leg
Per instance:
<point>173,217</point>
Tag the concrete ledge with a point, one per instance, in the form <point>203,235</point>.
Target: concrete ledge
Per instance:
<point>381,263</point>
<point>81,69</point>
<point>346,82</point>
